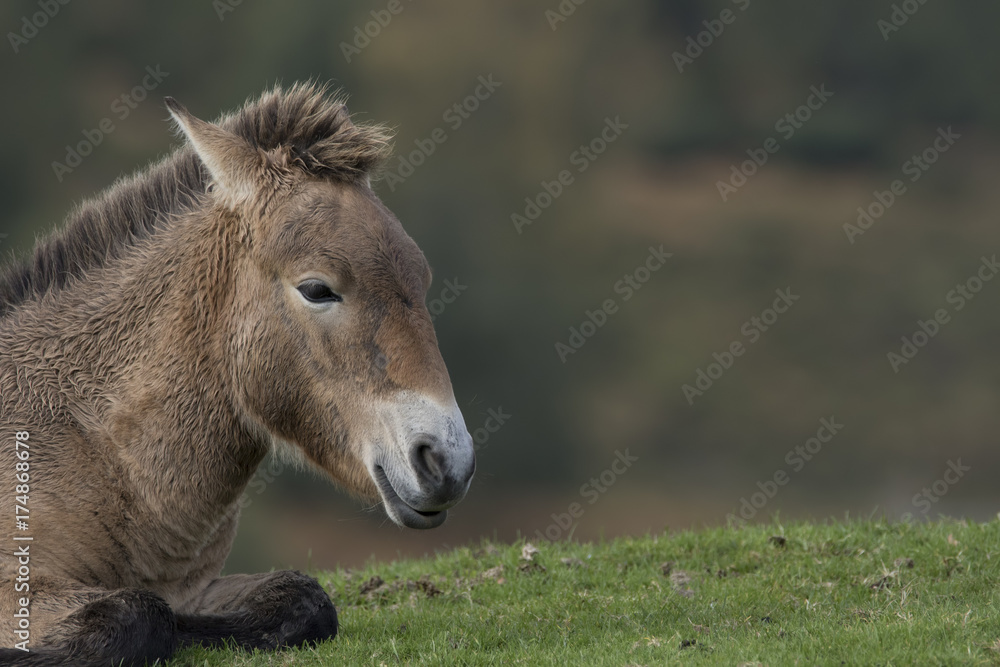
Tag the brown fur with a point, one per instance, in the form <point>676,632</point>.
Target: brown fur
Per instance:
<point>316,131</point>
<point>156,348</point>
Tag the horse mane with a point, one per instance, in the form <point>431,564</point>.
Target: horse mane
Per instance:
<point>312,124</point>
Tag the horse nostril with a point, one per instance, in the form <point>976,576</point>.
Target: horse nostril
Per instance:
<point>429,463</point>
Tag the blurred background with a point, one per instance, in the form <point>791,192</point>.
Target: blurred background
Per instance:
<point>741,137</point>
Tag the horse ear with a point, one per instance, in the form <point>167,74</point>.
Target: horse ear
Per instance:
<point>233,163</point>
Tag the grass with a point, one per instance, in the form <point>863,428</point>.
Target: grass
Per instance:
<point>855,593</point>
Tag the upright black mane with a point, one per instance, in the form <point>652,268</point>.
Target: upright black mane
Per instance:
<point>314,125</point>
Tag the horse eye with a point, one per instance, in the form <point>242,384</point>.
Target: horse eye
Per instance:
<point>317,291</point>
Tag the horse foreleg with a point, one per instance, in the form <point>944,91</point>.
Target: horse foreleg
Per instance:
<point>94,627</point>
<point>263,611</point>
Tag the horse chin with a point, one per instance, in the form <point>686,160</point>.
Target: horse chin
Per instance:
<point>399,511</point>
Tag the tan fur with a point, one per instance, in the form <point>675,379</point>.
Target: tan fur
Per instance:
<point>154,351</point>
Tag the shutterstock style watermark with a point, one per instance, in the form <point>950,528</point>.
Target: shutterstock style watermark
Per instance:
<point>957,298</point>
<point>796,459</point>
<point>581,158</point>
<point>752,330</point>
<point>121,107</point>
<point>31,24</point>
<point>914,168</point>
<point>696,44</point>
<point>626,287</point>
<point>454,116</point>
<point>786,126</point>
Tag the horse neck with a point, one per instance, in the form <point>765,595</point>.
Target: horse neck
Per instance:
<point>143,344</point>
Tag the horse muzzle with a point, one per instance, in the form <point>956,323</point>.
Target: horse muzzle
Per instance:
<point>426,464</point>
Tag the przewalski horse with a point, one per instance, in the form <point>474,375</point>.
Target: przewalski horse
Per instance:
<point>248,292</point>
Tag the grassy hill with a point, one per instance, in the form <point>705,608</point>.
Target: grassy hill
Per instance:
<point>855,592</point>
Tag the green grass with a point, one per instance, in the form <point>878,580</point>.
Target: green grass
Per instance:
<point>855,593</point>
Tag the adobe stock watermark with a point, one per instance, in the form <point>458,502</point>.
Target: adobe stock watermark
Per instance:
<point>449,294</point>
<point>934,492</point>
<point>363,35</point>
<point>786,126</point>
<point>592,491</point>
<point>626,286</point>
<point>562,12</point>
<point>899,17</point>
<point>495,419</point>
<point>121,107</point>
<point>696,44</point>
<point>957,298</point>
<point>454,116</point>
<point>223,7</point>
<point>796,459</point>
<point>918,165</point>
<point>265,474</point>
<point>23,481</point>
<point>581,158</point>
<point>752,330</point>
<point>31,25</point>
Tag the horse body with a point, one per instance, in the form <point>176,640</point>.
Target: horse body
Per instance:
<point>89,377</point>
<point>249,291</point>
